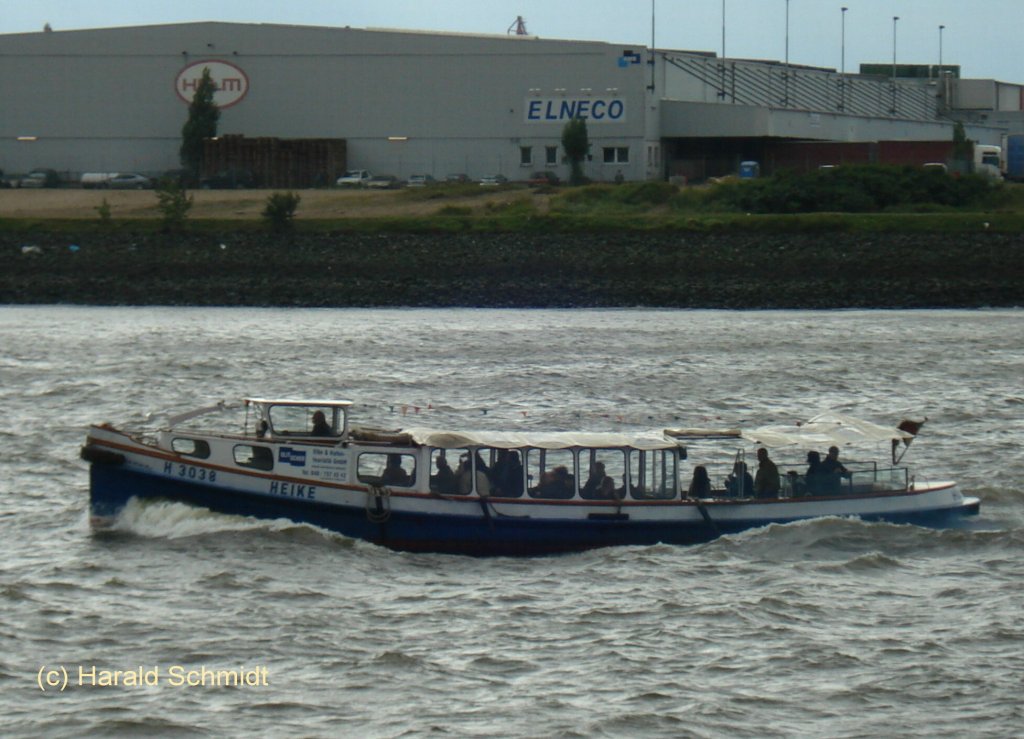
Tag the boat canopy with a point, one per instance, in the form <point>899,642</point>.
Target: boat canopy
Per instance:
<point>442,439</point>
<point>823,430</point>
<point>300,403</point>
<point>826,429</point>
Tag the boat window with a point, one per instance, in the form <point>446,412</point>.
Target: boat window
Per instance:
<point>603,472</point>
<point>652,474</point>
<point>504,471</point>
<point>300,420</point>
<point>258,457</point>
<point>551,473</point>
<point>191,447</point>
<point>391,469</point>
<point>445,466</point>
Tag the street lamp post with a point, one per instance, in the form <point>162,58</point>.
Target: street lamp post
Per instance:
<point>941,29</point>
<point>842,62</point>
<point>786,72</point>
<point>723,30</point>
<point>842,57</point>
<point>895,18</point>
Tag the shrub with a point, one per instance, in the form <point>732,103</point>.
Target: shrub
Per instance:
<point>174,204</point>
<point>280,210</point>
<point>455,210</point>
<point>853,189</point>
<point>103,210</point>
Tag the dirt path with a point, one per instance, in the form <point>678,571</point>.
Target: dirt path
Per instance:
<point>247,204</point>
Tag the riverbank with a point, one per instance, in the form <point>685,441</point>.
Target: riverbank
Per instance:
<point>694,269</point>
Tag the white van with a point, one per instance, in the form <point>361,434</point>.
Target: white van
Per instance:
<point>987,161</point>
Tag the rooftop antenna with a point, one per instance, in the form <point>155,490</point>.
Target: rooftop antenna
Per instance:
<point>519,26</point>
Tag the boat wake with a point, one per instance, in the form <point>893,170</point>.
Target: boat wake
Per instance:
<point>160,519</point>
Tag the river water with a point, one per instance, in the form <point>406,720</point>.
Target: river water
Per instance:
<point>827,628</point>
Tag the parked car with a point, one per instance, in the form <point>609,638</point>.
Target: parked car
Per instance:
<point>129,181</point>
<point>538,179</point>
<point>493,180</point>
<point>354,178</point>
<point>235,179</point>
<point>92,180</point>
<point>456,178</point>
<point>383,182</point>
<point>3,180</point>
<point>420,180</point>
<point>40,178</point>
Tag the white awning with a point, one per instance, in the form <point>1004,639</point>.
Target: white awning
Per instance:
<point>539,440</point>
<point>825,430</point>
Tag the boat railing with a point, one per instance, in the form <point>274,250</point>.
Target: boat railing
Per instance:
<point>860,480</point>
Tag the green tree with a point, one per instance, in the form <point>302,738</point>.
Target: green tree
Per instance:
<point>201,124</point>
<point>963,147</point>
<point>576,144</point>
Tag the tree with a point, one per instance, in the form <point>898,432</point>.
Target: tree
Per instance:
<point>576,144</point>
<point>963,147</point>
<point>203,115</point>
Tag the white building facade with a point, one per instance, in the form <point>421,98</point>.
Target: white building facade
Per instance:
<point>115,99</point>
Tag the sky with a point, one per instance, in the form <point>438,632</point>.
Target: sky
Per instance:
<point>982,36</point>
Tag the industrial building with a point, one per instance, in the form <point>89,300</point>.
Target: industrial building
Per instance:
<point>401,102</point>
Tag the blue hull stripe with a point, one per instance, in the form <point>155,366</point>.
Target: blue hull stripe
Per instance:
<point>111,487</point>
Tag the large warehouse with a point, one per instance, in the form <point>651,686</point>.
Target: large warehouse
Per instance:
<point>403,102</point>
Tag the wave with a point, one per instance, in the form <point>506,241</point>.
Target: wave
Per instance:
<point>860,545</point>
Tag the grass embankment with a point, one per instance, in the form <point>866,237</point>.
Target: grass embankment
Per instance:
<point>647,244</point>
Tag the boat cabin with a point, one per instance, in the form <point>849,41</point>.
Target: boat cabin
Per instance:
<point>313,439</point>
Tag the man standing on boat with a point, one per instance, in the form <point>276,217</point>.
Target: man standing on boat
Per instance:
<point>766,482</point>
<point>834,471</point>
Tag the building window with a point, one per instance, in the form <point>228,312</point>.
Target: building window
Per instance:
<point>616,155</point>
<point>525,156</point>
<point>551,155</point>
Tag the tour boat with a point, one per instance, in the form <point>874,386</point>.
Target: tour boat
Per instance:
<point>507,493</point>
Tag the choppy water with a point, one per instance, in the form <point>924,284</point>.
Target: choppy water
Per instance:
<point>829,628</point>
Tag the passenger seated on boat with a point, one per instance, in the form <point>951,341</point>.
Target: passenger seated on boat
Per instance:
<point>607,490</point>
<point>739,484</point>
<point>507,475</point>
<point>797,487</point>
<point>444,481</point>
<point>555,483</point>
<point>464,478</point>
<point>592,487</point>
<point>700,485</point>
<point>394,474</point>
<point>262,428</point>
<point>320,425</point>
<point>767,482</point>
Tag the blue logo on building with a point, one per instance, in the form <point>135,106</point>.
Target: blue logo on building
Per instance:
<point>629,57</point>
<point>561,110</point>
